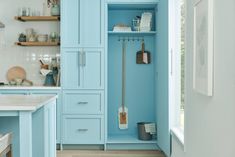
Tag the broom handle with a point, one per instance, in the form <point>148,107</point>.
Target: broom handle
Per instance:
<point>143,48</point>
<point>123,75</point>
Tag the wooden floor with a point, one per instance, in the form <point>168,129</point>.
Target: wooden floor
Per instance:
<point>73,153</point>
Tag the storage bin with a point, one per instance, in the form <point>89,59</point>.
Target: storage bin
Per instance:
<point>142,134</point>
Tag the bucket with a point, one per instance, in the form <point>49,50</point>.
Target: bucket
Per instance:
<point>142,134</point>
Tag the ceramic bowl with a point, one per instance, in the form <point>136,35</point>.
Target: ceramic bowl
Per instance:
<point>42,37</point>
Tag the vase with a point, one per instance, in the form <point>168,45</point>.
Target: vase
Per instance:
<point>55,10</point>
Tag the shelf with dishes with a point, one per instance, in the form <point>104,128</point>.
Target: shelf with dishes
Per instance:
<point>37,18</point>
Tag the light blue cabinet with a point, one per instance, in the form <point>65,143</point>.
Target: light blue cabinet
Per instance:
<point>83,71</point>
<point>82,23</point>
<point>83,129</point>
<point>83,68</point>
<point>83,103</point>
<point>42,92</point>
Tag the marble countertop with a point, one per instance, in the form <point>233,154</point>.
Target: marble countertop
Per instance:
<point>30,87</point>
<point>24,102</point>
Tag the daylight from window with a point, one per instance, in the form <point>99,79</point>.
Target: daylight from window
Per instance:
<point>182,53</point>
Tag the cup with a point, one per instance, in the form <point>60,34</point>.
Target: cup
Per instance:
<point>29,32</point>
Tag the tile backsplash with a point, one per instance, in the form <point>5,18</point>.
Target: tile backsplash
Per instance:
<point>26,57</point>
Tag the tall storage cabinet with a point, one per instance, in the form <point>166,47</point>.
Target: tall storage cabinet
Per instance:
<point>91,73</point>
<point>83,71</point>
<point>82,23</point>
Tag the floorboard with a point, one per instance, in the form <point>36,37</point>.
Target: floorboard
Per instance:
<point>90,153</point>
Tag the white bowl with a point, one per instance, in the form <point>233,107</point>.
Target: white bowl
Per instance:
<point>42,37</point>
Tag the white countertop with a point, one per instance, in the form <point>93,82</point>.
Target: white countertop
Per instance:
<point>24,102</point>
<point>30,87</point>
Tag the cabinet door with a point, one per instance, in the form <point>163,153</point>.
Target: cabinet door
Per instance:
<point>92,23</point>
<point>50,130</point>
<point>93,69</point>
<point>71,78</point>
<point>70,23</point>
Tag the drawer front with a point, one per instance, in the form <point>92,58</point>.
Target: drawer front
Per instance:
<point>78,130</point>
<point>83,103</point>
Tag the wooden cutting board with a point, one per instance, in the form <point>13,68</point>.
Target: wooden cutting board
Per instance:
<point>16,72</point>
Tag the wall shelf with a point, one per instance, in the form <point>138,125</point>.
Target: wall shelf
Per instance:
<point>37,43</point>
<point>127,139</point>
<point>37,18</point>
<point>132,33</point>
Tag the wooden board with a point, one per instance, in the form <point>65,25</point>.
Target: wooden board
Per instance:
<point>37,43</point>
<point>16,72</point>
<point>37,18</point>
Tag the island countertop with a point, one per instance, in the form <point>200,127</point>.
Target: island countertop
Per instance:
<point>24,102</point>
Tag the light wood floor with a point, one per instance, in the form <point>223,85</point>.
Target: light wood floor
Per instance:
<point>73,153</point>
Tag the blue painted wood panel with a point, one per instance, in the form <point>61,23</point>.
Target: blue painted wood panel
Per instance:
<point>132,1</point>
<point>162,81</point>
<point>83,130</point>
<point>70,23</point>
<point>82,23</point>
<point>34,134</point>
<point>140,85</point>
<point>71,78</point>
<point>93,69</point>
<point>42,92</point>
<point>83,69</point>
<point>83,103</point>
<point>92,23</point>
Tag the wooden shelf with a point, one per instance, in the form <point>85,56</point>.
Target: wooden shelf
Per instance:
<point>132,33</point>
<point>37,18</point>
<point>37,43</point>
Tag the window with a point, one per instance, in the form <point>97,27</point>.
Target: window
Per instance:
<point>177,22</point>
<point>182,61</point>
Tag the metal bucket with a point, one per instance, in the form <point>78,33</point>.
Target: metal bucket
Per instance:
<point>142,134</point>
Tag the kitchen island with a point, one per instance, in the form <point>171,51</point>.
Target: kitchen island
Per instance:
<point>32,120</point>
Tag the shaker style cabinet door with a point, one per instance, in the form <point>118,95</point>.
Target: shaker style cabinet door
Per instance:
<point>71,69</point>
<point>93,69</point>
<point>83,69</point>
<point>70,23</point>
<point>82,23</point>
<point>92,23</point>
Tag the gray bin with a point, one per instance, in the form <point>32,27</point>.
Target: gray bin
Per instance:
<point>142,134</point>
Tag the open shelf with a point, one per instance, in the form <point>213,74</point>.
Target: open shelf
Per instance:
<point>127,139</point>
<point>37,18</point>
<point>132,33</point>
<point>37,43</point>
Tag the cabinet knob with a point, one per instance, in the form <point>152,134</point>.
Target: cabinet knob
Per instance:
<point>82,130</point>
<point>82,103</point>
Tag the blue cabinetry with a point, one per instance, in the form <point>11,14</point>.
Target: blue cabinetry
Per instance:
<point>83,68</point>
<point>82,23</point>
<point>42,92</point>
<point>83,71</point>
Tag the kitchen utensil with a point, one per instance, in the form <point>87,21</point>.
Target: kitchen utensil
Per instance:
<point>49,81</point>
<point>123,111</point>
<point>143,57</point>
<point>17,72</point>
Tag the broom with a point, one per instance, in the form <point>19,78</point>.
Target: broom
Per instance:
<point>123,111</point>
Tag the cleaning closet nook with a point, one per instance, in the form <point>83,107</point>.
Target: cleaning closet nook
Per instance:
<point>132,32</point>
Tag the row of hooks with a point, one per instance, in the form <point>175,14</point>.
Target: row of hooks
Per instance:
<point>131,39</point>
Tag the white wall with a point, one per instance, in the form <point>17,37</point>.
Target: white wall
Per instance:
<point>27,57</point>
<point>210,121</point>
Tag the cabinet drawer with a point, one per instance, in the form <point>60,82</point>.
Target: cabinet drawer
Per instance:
<point>83,130</point>
<point>83,103</point>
